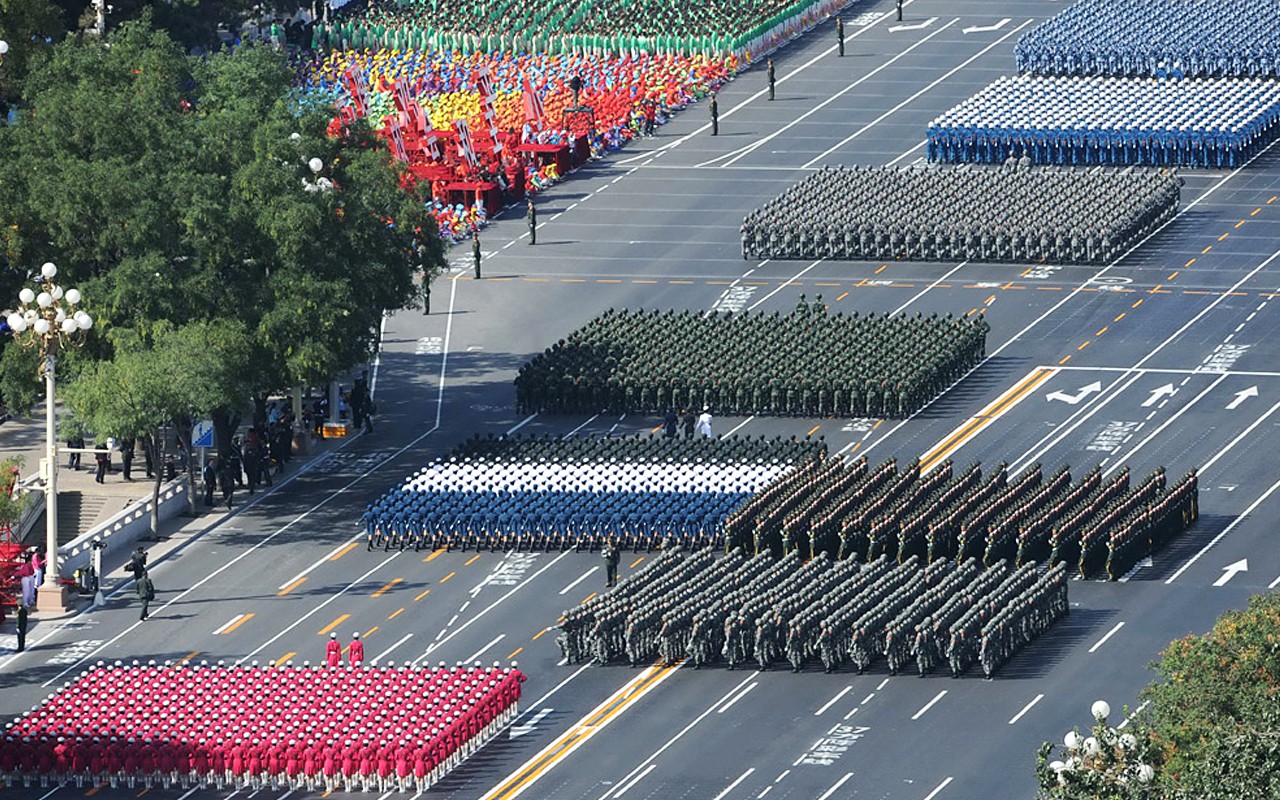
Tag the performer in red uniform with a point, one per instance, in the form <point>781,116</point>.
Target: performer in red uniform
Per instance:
<point>333,651</point>
<point>356,651</point>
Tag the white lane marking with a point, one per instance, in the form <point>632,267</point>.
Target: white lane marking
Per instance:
<point>850,714</point>
<point>452,620</point>
<point>1026,708</point>
<point>923,291</point>
<point>229,623</point>
<point>751,148</point>
<point>767,789</point>
<point>784,284</point>
<point>1158,430</point>
<point>882,684</point>
<point>517,731</point>
<point>622,790</point>
<point>494,604</point>
<point>731,703</point>
<point>316,609</point>
<point>1231,570</point>
<point>833,701</point>
<point>1070,296</point>
<point>1132,714</point>
<point>867,699</point>
<point>50,792</point>
<point>387,652</point>
<point>1108,635</point>
<point>484,649</point>
<point>938,790</point>
<point>1237,440</point>
<point>580,427</point>
<point>1225,531</point>
<point>784,774</point>
<point>196,789</point>
<point>579,580</point>
<point>740,425</point>
<point>690,727</point>
<point>913,97</point>
<point>1078,417</point>
<point>1274,584</point>
<point>327,556</point>
<point>828,793</point>
<point>720,796</point>
<point>929,704</point>
<point>521,424</point>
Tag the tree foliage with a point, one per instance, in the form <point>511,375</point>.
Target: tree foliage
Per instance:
<point>175,190</point>
<point>1212,721</point>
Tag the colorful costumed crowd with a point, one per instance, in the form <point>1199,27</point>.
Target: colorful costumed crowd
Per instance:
<point>307,729</point>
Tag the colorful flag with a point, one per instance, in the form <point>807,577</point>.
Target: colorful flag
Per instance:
<point>533,110</point>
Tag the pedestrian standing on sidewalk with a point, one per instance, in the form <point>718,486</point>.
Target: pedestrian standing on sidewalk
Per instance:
<point>226,481</point>
<point>126,457</point>
<point>101,457</point>
<point>333,651</point>
<point>356,650</point>
<point>210,475</point>
<point>22,627</point>
<point>138,563</point>
<point>146,593</point>
<point>77,442</point>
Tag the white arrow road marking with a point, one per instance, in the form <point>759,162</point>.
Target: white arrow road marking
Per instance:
<point>1230,570</point>
<point>1156,394</point>
<point>1241,396</point>
<point>525,728</point>
<point>1074,399</point>
<point>919,26</point>
<point>987,28</point>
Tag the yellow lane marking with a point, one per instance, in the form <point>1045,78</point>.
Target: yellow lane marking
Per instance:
<point>397,613</point>
<point>390,585</point>
<point>825,284</point>
<point>539,633</point>
<point>573,280</point>
<point>575,737</point>
<point>993,411</point>
<point>334,624</point>
<point>1122,316</point>
<point>640,281</point>
<point>1256,211</point>
<point>472,560</point>
<point>1048,288</point>
<point>1063,360</point>
<point>144,791</point>
<point>535,280</point>
<point>990,300</point>
<point>447,577</point>
<point>607,280</point>
<point>93,791</point>
<point>883,267</point>
<point>1194,291</point>
<point>1157,288</point>
<point>343,551</point>
<point>369,632</point>
<point>1138,303</point>
<point>435,555</point>
<point>424,594</point>
<point>515,653</point>
<point>189,656</point>
<point>588,598</point>
<point>681,283</point>
<point>811,430</point>
<point>1174,275</point>
<point>1104,330</point>
<point>1223,236</point>
<point>841,297</point>
<point>1189,263</point>
<point>655,429</point>
<point>291,586</point>
<point>1272,200</point>
<point>1207,249</point>
<point>1241,222</point>
<point>284,659</point>
<point>237,624</point>
<point>636,563</point>
<point>719,283</point>
<point>855,446</point>
<point>1083,346</point>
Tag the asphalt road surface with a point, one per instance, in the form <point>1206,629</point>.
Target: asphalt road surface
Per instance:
<point>1166,357</point>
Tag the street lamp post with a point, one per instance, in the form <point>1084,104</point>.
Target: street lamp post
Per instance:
<point>51,322</point>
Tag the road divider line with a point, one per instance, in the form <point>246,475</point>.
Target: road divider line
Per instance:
<point>1204,468</point>
<point>1026,708</point>
<point>424,593</point>
<point>1167,423</point>
<point>284,659</point>
<point>579,580</point>
<point>189,656</point>
<point>623,789</point>
<point>389,650</point>
<point>447,577</point>
<point>387,587</point>
<point>1225,531</point>
<point>830,792</point>
<point>235,623</point>
<point>515,653</point>
<point>347,549</point>
<point>741,695</point>
<point>565,744</point>
<point>472,560</point>
<point>734,785</point>
<point>332,625</point>
<point>435,554</point>
<point>1106,636</point>
<point>289,587</point>
<point>229,624</point>
<point>939,789</point>
<point>989,414</point>
<point>484,649</point>
<point>833,701</point>
<point>396,613</point>
<point>930,704</point>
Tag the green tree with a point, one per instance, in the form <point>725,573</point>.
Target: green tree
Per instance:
<point>176,189</point>
<point>1211,727</point>
<point>29,27</point>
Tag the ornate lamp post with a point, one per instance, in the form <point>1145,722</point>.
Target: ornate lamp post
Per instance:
<point>51,322</point>
<point>4,50</point>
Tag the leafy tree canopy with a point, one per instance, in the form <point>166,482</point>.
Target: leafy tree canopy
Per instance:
<point>176,191</point>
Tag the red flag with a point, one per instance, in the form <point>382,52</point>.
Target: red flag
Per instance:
<point>358,88</point>
<point>403,99</point>
<point>533,110</point>
<point>397,141</point>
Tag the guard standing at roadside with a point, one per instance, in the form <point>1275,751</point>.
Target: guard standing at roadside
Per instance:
<point>840,35</point>
<point>533,224</point>
<point>426,296</point>
<point>356,650</point>
<point>771,79</point>
<point>715,116</point>
<point>475,251</point>
<point>611,557</point>
<point>899,10</point>
<point>333,651</point>
<point>22,627</point>
<point>138,562</point>
<point>146,593</point>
